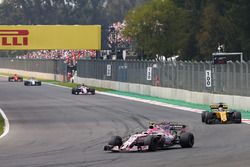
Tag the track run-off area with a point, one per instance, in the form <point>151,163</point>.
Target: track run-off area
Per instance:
<point>50,127</point>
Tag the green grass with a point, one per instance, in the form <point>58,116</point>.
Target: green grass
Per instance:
<point>1,124</point>
<point>72,85</point>
<point>6,74</point>
<point>245,113</point>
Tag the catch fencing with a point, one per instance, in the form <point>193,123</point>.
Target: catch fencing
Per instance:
<point>232,78</point>
<point>35,65</point>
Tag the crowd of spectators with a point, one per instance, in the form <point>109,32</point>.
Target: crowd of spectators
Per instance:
<point>67,55</point>
<point>116,39</point>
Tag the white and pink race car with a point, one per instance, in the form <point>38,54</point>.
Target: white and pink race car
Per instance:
<point>158,136</point>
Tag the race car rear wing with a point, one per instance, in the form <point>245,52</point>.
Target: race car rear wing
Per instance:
<point>173,125</point>
<point>177,127</point>
<point>216,106</point>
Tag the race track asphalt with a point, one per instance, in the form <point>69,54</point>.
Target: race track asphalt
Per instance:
<point>49,127</point>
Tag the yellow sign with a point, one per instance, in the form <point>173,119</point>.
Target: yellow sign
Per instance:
<point>37,37</point>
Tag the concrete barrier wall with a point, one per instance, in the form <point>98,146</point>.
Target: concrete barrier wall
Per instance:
<point>23,73</point>
<point>238,102</point>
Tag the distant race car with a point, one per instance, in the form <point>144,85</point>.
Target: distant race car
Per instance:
<point>15,78</point>
<point>158,136</point>
<point>32,82</point>
<point>220,114</point>
<point>83,90</point>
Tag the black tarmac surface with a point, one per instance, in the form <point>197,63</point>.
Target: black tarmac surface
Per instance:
<point>49,127</point>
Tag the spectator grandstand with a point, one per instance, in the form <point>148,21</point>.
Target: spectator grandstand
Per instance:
<point>67,55</point>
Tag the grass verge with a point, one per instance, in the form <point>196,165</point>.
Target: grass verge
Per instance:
<point>72,85</point>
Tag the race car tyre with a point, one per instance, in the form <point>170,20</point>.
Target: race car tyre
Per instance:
<point>73,91</point>
<point>203,116</point>
<point>237,117</point>
<point>115,141</point>
<point>9,79</point>
<point>39,83</point>
<point>161,143</point>
<point>27,84</point>
<point>151,142</point>
<point>93,92</point>
<point>21,79</point>
<point>107,148</point>
<point>210,118</point>
<point>186,140</point>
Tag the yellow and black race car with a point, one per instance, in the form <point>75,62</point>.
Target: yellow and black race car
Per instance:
<point>220,114</point>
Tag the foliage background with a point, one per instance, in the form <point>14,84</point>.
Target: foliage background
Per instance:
<point>193,29</point>
<point>190,28</point>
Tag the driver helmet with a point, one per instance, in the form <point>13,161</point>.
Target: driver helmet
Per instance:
<point>220,108</point>
<point>151,125</point>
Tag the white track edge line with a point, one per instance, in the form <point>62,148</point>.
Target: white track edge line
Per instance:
<point>6,124</point>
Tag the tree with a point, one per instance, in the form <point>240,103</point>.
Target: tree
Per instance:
<point>216,28</point>
<point>158,27</point>
<point>240,16</point>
